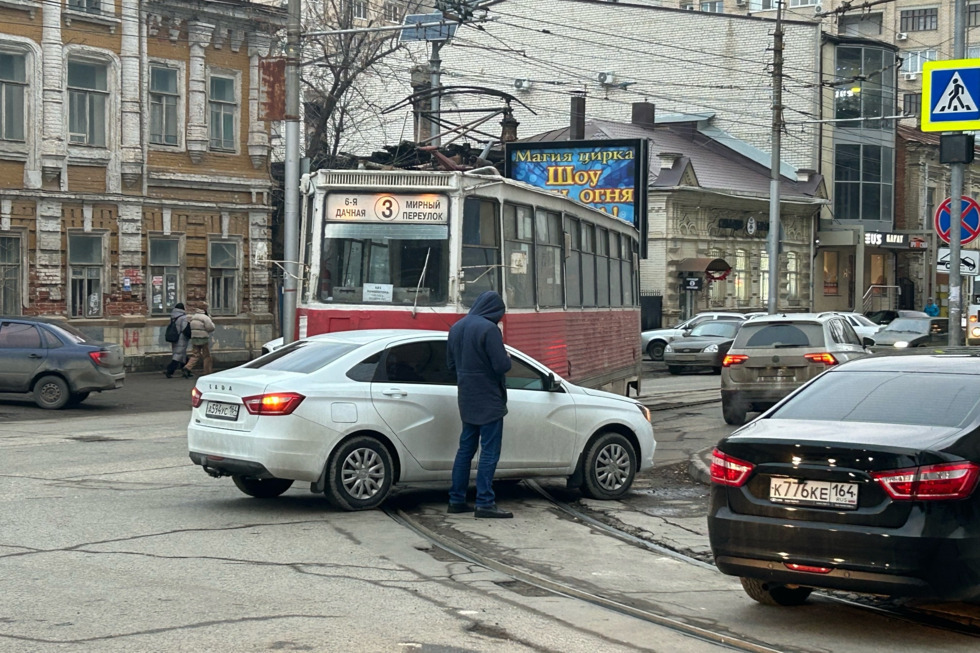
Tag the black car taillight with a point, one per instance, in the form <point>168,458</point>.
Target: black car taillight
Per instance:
<point>945,481</point>
<point>728,470</point>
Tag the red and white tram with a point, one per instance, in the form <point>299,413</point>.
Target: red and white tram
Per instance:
<point>409,249</point>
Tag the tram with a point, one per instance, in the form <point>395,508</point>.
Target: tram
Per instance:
<point>413,249</point>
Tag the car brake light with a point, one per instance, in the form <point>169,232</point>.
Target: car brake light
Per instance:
<point>810,569</point>
<point>97,357</point>
<point>824,357</point>
<point>276,403</point>
<point>727,470</point>
<point>196,397</point>
<point>931,482</point>
<point>733,359</point>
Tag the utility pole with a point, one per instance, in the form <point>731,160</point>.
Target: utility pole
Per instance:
<point>777,129</point>
<point>291,208</point>
<point>955,299</point>
<point>435,69</point>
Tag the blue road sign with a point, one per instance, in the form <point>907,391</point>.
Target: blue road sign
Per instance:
<point>970,218</point>
<point>951,95</point>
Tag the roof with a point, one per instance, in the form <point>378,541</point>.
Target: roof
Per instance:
<point>708,157</point>
<point>916,135</point>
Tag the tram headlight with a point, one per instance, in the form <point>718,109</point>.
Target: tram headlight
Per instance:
<point>975,332</point>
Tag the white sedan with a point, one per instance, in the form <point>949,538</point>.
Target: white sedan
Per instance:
<point>355,412</point>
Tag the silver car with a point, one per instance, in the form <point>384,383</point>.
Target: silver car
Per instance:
<point>652,342</point>
<point>704,346</point>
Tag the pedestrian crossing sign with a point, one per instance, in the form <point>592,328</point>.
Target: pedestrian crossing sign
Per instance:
<point>951,95</point>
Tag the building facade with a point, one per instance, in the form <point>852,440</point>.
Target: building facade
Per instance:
<point>134,168</point>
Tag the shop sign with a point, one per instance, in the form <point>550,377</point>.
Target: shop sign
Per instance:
<point>886,240</point>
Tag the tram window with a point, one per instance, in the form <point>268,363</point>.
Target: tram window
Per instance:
<point>481,248</point>
<point>615,271</point>
<point>588,265</point>
<point>573,264</point>
<point>519,256</point>
<point>548,255</point>
<point>602,267</point>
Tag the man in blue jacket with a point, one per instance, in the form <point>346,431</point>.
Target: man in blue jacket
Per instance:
<point>475,352</point>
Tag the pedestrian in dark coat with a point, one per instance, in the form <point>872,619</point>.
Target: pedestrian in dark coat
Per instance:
<point>475,352</point>
<point>179,348</point>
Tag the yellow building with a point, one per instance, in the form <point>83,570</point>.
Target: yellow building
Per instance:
<point>134,168</point>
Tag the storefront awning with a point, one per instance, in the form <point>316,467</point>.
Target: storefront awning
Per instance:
<point>703,265</point>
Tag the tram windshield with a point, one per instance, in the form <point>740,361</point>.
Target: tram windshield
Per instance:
<point>384,264</point>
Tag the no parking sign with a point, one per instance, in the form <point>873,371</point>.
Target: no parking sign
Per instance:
<point>969,217</point>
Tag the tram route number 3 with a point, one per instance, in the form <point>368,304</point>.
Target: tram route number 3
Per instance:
<point>385,208</point>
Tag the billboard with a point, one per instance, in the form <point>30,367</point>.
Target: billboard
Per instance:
<point>608,175</point>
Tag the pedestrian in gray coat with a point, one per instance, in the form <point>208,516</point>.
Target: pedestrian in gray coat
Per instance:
<point>179,348</point>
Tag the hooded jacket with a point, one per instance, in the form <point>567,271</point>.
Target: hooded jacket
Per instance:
<point>475,352</point>
<point>179,348</point>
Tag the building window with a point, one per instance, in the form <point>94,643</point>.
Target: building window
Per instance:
<point>88,92</point>
<point>393,12</point>
<point>764,278</point>
<point>481,248</point>
<point>911,104</point>
<point>356,9</point>
<point>863,177</point>
<point>549,238</point>
<point>163,105</point>
<point>717,290</point>
<point>802,3</point>
<point>830,273</point>
<point>85,271</point>
<point>10,266</point>
<point>761,5</point>
<point>973,15</point>
<point>860,25</point>
<point>743,280</point>
<point>13,83</point>
<point>224,113</point>
<point>164,258</point>
<point>792,276</point>
<point>223,277</point>
<point>865,87</point>
<point>912,60</point>
<point>714,7</point>
<point>919,20</point>
<point>88,6</point>
<point>519,255</point>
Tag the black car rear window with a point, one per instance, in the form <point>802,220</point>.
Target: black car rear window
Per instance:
<point>302,356</point>
<point>781,334</point>
<point>925,399</point>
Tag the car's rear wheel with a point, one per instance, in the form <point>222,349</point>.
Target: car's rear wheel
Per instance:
<point>359,474</point>
<point>675,369</point>
<point>51,392</point>
<point>774,593</point>
<point>262,488</point>
<point>610,466</point>
<point>733,411</point>
<point>655,350</point>
<point>77,398</point>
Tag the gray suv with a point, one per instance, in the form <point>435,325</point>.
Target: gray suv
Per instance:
<point>775,354</point>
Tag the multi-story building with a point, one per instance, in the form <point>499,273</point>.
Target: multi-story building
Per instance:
<point>134,167</point>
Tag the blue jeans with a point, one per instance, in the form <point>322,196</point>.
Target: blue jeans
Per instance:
<point>488,436</point>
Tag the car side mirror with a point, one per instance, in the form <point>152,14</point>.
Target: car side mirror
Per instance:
<point>551,383</point>
<point>868,342</point>
<point>686,333</point>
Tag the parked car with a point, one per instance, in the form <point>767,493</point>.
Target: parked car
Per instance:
<point>704,346</point>
<point>653,341</point>
<point>774,355</point>
<point>861,324</point>
<point>884,317</point>
<point>59,365</point>
<point>911,332</point>
<point>353,413</point>
<point>864,480</point>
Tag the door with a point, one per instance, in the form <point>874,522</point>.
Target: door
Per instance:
<point>415,394</point>
<point>21,355</point>
<point>540,425</point>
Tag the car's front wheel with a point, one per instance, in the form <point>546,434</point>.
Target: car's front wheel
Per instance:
<point>51,392</point>
<point>610,466</point>
<point>774,593</point>
<point>655,350</point>
<point>262,488</point>
<point>359,474</point>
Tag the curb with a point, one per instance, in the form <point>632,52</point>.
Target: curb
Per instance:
<point>697,468</point>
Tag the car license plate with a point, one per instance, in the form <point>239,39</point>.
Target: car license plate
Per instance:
<point>219,410</point>
<point>813,493</point>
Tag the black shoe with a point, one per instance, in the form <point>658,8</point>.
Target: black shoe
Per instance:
<point>187,374</point>
<point>492,512</point>
<point>169,375</point>
<point>460,507</point>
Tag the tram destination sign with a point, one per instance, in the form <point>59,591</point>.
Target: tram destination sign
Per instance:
<point>421,208</point>
<point>609,175</point>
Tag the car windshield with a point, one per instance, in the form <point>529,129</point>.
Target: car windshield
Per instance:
<point>780,334</point>
<point>717,328</point>
<point>924,399</point>
<point>908,325</point>
<point>302,356</point>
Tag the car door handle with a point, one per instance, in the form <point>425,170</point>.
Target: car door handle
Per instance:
<point>394,392</point>
<point>35,356</point>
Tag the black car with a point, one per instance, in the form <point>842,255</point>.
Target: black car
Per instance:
<point>905,332</point>
<point>55,362</point>
<point>886,316</point>
<point>863,480</point>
